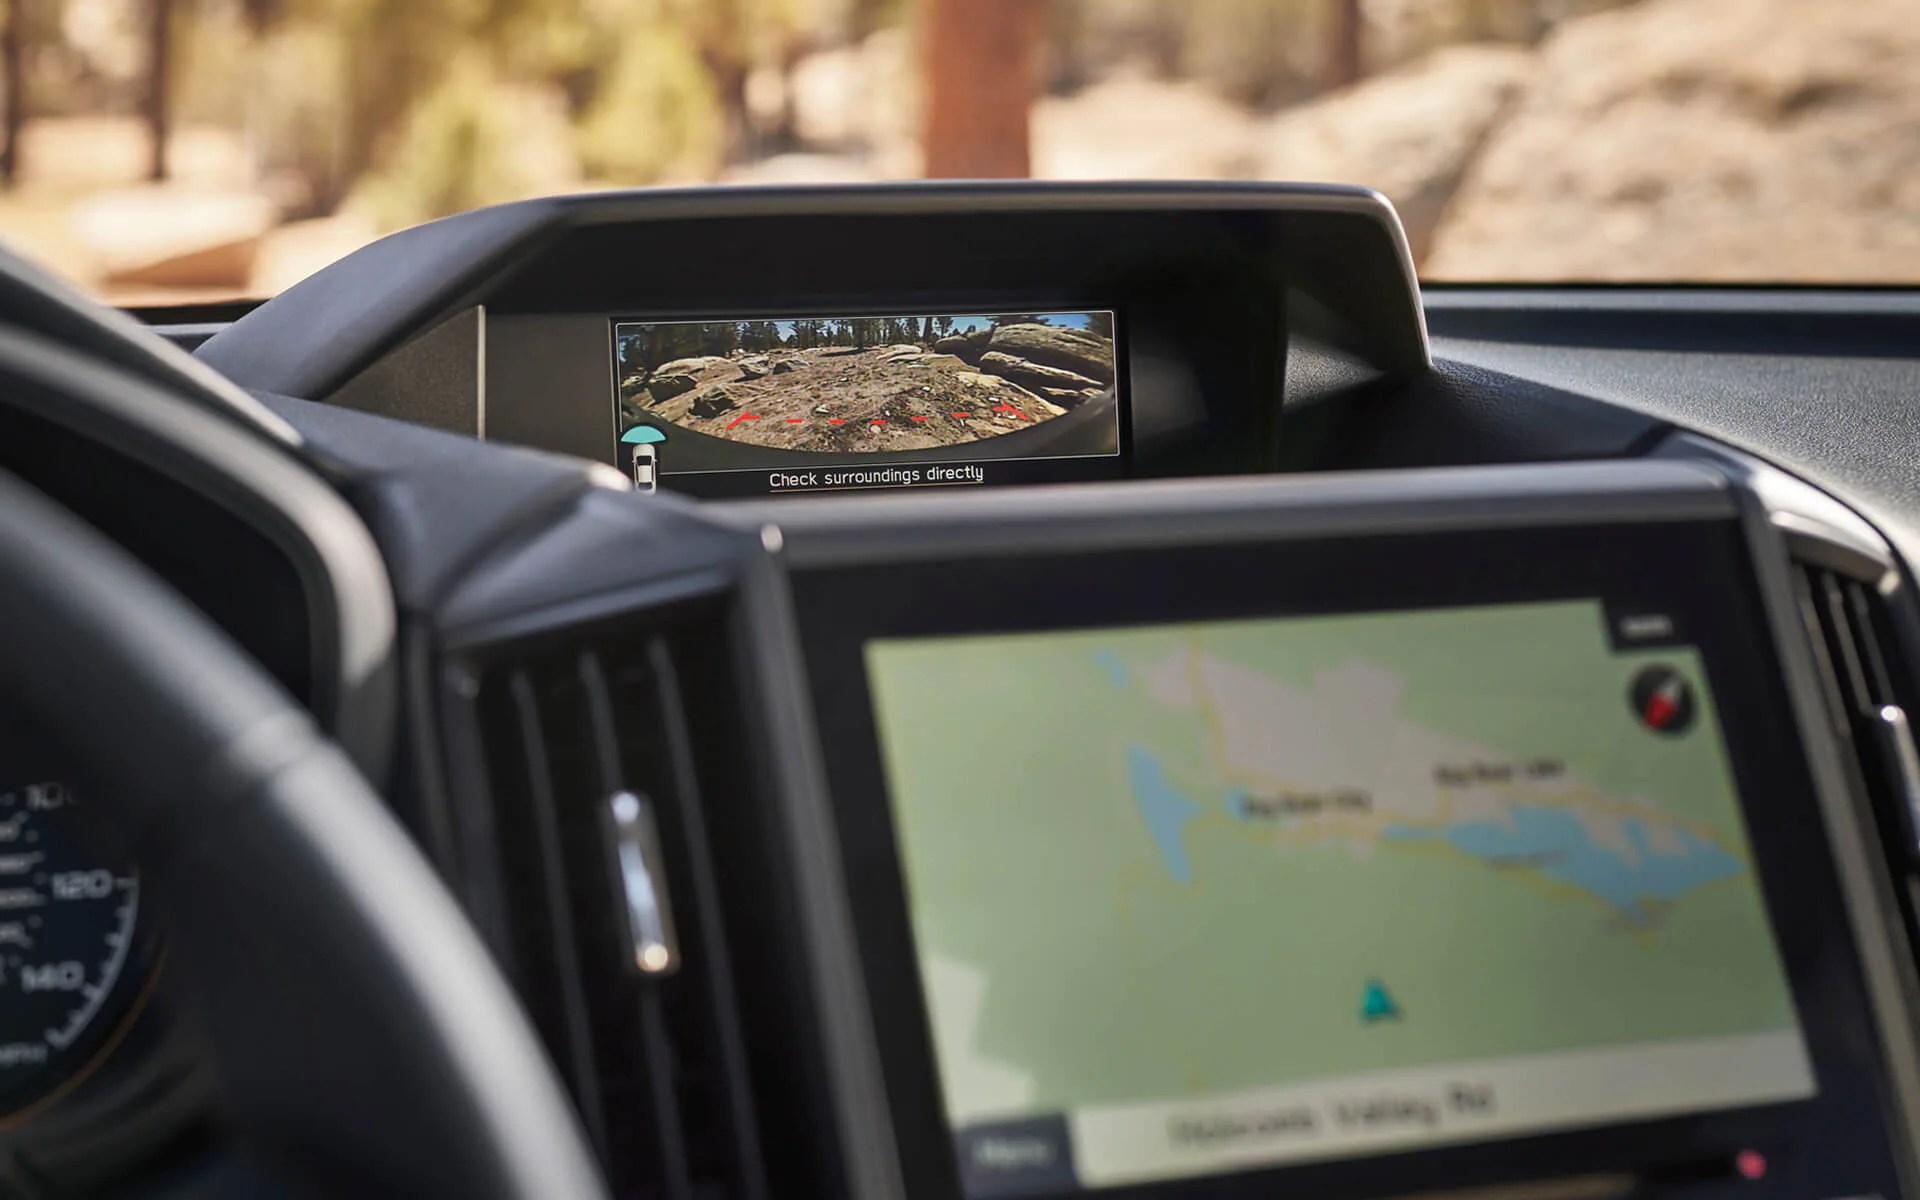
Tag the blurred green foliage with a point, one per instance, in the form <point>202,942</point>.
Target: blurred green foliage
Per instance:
<point>434,104</point>
<point>461,146</point>
<point>652,110</point>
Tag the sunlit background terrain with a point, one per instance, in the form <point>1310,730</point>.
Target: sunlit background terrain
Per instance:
<point>172,151</point>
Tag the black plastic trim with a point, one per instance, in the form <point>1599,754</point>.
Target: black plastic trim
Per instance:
<point>34,300</point>
<point>340,569</point>
<point>1829,322</point>
<point>831,531</point>
<point>314,337</point>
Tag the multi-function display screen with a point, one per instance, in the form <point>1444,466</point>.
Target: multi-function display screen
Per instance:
<point>833,403</point>
<point>1190,899</point>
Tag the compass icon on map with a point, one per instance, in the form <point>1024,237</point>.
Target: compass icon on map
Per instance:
<point>1662,700</point>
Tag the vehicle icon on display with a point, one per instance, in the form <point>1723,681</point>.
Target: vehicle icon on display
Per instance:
<point>645,464</point>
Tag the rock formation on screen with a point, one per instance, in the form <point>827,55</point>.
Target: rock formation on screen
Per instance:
<point>894,396</point>
<point>1066,366</point>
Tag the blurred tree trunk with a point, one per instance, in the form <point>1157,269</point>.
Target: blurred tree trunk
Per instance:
<point>730,85</point>
<point>1167,37</point>
<point>13,61</point>
<point>722,37</point>
<point>1069,65</point>
<point>261,15</point>
<point>154,105</point>
<point>867,17</point>
<point>1267,80</point>
<point>1343,66</point>
<point>785,135</point>
<point>980,85</point>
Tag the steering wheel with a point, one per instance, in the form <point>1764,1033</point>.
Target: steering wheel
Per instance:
<point>355,1022</point>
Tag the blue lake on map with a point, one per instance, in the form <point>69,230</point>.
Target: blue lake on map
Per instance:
<point>1164,810</point>
<point>1555,844</point>
<point>1548,841</point>
<point>1113,665</point>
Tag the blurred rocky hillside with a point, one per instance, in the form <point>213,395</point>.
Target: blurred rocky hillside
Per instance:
<point>1755,140</point>
<point>1736,140</point>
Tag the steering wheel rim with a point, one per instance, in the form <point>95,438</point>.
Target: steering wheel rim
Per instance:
<point>372,1042</point>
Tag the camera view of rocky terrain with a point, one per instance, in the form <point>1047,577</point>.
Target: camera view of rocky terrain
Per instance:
<point>863,385</point>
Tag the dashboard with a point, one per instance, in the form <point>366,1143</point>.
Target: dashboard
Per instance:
<point>981,691</point>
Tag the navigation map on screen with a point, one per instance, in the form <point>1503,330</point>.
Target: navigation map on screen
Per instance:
<point>1197,898</point>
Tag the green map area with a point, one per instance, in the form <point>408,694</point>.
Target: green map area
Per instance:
<point>1174,861</point>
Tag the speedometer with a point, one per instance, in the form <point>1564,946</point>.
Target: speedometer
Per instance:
<point>67,945</point>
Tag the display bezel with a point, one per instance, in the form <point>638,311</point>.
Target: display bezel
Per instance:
<point>1700,570</point>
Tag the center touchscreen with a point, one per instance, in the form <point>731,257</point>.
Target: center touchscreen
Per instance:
<point>818,404</point>
<point>1190,899</point>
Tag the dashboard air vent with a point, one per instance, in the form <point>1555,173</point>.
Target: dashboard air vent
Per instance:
<point>612,926</point>
<point>1866,692</point>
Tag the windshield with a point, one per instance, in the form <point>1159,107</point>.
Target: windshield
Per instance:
<point>178,151</point>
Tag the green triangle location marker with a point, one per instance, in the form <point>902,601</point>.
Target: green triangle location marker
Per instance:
<point>1376,1005</point>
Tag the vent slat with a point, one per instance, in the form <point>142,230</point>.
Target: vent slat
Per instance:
<point>1864,605</point>
<point>582,1073</point>
<point>600,720</point>
<point>1848,627</point>
<point>659,1058</point>
<point>732,1051</point>
<point>568,724</point>
<point>1858,689</point>
<point>1824,642</point>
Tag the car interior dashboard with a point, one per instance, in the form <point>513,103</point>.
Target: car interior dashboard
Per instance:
<point>993,690</point>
